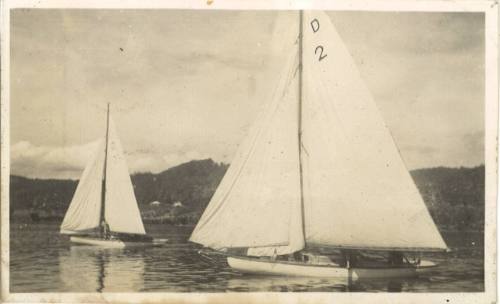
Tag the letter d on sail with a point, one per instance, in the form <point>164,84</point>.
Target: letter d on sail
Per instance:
<point>315,25</point>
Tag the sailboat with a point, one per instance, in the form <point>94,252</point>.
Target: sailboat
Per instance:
<point>104,210</point>
<point>319,181</point>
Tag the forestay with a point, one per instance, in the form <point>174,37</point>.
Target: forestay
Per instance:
<point>357,191</point>
<point>84,210</point>
<point>121,210</point>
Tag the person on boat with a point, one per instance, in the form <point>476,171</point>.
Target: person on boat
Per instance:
<point>297,256</point>
<point>396,258</point>
<point>349,258</point>
<point>105,230</point>
<point>275,256</point>
<point>292,257</point>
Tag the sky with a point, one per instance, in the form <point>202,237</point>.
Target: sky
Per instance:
<point>187,85</point>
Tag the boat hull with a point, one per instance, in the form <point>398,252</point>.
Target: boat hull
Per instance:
<point>255,266</point>
<point>113,243</point>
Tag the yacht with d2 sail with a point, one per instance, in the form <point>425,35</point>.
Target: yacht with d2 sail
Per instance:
<point>319,183</point>
<point>104,210</point>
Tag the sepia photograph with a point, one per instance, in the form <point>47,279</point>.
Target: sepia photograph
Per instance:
<point>272,151</point>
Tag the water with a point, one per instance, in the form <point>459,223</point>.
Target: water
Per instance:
<point>43,261</point>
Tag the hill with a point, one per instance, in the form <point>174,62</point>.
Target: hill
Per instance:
<point>181,194</point>
<point>454,196</point>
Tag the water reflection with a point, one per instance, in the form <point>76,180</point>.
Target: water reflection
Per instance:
<point>89,268</point>
<point>41,260</point>
<point>284,284</point>
<point>395,286</point>
<point>300,284</point>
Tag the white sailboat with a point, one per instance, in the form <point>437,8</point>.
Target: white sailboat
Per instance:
<point>319,171</point>
<point>104,210</point>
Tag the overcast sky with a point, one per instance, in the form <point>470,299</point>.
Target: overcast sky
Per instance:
<point>187,84</point>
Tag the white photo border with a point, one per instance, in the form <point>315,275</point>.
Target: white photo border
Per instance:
<point>488,7</point>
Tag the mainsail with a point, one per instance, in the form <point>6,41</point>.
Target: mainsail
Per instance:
<point>121,211</point>
<point>357,190</point>
<point>341,182</point>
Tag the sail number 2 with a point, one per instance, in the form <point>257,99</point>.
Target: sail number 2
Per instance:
<point>319,49</point>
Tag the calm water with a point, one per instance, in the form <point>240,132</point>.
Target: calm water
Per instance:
<point>43,261</point>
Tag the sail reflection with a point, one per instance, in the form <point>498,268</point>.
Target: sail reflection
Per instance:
<point>250,283</point>
<point>90,269</point>
<point>285,284</point>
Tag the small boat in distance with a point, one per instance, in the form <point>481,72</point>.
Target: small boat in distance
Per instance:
<point>319,186</point>
<point>104,210</point>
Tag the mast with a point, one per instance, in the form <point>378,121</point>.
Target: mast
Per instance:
<point>102,220</point>
<point>301,21</point>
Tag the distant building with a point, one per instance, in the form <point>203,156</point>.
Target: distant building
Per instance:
<point>155,203</point>
<point>178,204</point>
